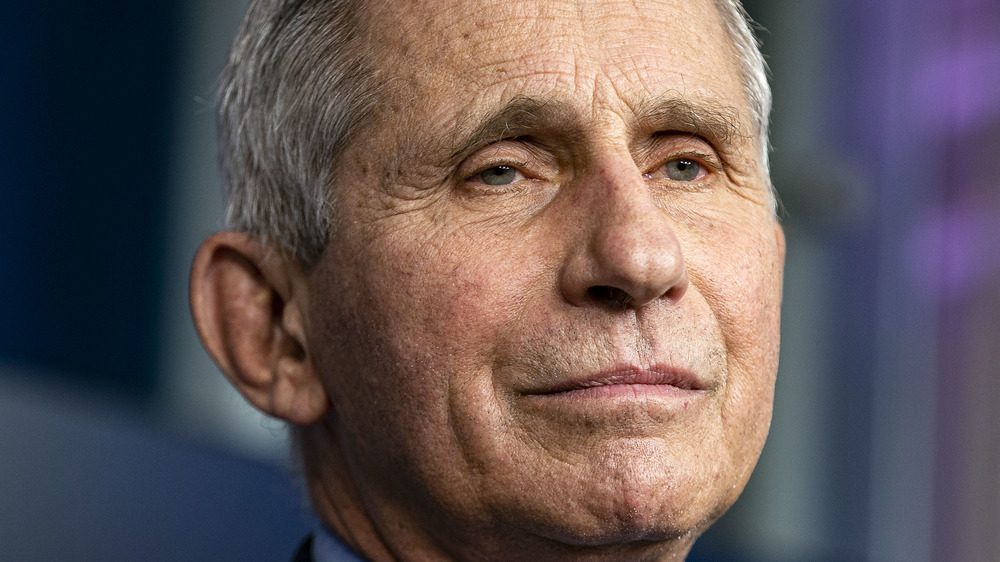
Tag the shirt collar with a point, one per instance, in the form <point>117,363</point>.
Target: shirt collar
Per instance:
<point>326,547</point>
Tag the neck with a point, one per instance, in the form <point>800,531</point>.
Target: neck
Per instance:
<point>333,495</point>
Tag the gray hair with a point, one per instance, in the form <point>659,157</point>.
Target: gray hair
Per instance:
<point>300,82</point>
<point>753,69</point>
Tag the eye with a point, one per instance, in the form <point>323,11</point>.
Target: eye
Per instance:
<point>499,175</point>
<point>683,169</point>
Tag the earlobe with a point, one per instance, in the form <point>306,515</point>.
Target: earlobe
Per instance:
<point>247,305</point>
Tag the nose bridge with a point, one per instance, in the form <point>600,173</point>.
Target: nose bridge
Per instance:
<point>622,198</point>
<point>630,253</point>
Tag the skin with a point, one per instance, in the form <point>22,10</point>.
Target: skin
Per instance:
<point>437,352</point>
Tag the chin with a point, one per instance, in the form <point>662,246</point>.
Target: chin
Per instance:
<point>639,501</point>
<point>633,536</point>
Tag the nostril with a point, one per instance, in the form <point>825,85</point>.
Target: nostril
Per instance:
<point>610,296</point>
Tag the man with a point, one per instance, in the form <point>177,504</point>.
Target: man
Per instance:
<point>510,268</point>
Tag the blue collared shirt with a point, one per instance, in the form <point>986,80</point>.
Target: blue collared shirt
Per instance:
<point>328,548</point>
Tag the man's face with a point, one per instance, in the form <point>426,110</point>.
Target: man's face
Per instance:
<point>548,313</point>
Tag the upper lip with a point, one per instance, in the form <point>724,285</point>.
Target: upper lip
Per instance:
<point>655,375</point>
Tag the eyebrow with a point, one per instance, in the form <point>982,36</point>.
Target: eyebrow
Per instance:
<point>667,112</point>
<point>719,124</point>
<point>521,115</point>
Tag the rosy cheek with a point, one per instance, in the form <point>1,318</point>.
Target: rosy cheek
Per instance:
<point>444,307</point>
<point>740,278</point>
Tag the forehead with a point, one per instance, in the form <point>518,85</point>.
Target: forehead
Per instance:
<point>449,63</point>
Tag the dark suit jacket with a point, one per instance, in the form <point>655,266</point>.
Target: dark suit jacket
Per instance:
<point>305,551</point>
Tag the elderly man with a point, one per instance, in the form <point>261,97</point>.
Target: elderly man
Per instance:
<point>510,268</point>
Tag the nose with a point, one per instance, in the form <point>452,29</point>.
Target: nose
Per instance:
<point>628,254</point>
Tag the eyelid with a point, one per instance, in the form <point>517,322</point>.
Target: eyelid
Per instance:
<point>517,166</point>
<point>668,146</point>
<point>517,153</point>
<point>707,169</point>
<point>495,162</point>
<point>700,157</point>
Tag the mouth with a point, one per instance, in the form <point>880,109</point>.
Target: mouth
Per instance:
<point>628,381</point>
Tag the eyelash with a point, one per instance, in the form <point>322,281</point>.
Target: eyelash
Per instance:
<point>517,166</point>
<point>706,161</point>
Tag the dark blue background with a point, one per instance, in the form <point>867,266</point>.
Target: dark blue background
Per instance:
<point>84,135</point>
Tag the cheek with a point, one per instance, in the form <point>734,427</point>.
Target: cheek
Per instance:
<point>428,313</point>
<point>739,276</point>
<point>453,299</point>
<point>410,361</point>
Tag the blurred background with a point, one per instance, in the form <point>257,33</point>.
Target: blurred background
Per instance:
<point>119,440</point>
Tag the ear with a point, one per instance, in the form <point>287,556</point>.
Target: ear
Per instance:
<point>249,306</point>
